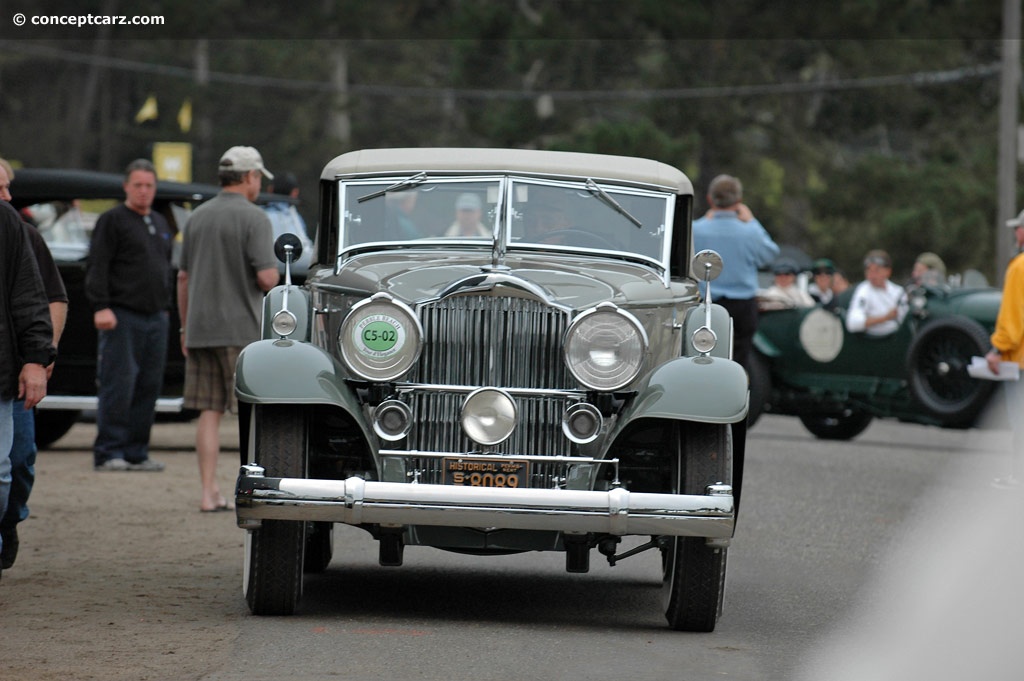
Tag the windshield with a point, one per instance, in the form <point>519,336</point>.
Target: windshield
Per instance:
<point>389,211</point>
<point>525,213</point>
<point>576,216</point>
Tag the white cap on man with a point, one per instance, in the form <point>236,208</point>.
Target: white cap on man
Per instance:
<point>1017,221</point>
<point>244,160</point>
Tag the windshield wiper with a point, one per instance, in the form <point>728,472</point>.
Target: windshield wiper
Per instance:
<point>594,189</point>
<point>418,178</point>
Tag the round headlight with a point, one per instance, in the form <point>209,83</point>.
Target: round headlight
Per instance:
<point>380,338</point>
<point>605,348</point>
<point>489,416</point>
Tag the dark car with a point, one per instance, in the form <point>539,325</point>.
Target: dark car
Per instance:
<point>64,205</point>
<point>808,365</point>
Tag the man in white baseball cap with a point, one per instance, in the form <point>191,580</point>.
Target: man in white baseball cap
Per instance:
<point>243,159</point>
<point>227,263</point>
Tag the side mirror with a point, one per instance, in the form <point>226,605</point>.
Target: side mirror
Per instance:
<point>288,249</point>
<point>288,244</point>
<point>707,265</point>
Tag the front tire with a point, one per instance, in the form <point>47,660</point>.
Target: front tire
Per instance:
<point>272,577</point>
<point>693,573</point>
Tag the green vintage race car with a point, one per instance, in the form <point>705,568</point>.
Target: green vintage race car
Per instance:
<point>806,364</point>
<point>497,351</point>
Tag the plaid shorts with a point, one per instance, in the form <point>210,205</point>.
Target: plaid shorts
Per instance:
<point>210,379</point>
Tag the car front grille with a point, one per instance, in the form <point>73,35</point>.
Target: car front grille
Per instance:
<point>483,340</point>
<point>490,341</point>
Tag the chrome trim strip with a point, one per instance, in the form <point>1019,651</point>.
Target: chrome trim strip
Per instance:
<point>402,388</point>
<point>484,455</point>
<point>165,405</point>
<point>354,501</point>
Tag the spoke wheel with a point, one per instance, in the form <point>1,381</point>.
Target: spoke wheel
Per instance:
<point>693,573</point>
<point>272,578</point>
<point>937,362</point>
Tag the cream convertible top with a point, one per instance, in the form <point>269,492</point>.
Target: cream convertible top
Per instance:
<point>554,163</point>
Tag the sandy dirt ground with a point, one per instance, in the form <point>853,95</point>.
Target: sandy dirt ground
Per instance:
<point>119,576</point>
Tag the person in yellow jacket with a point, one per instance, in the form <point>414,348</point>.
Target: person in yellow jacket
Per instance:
<point>1008,346</point>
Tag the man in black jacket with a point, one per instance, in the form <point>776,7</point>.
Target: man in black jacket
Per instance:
<point>128,284</point>
<point>26,334</point>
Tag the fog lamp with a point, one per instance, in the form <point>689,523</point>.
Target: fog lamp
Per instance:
<point>489,416</point>
<point>392,420</point>
<point>581,423</point>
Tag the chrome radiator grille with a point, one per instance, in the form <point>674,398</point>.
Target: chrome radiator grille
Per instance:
<point>494,341</point>
<point>502,342</point>
<point>436,415</point>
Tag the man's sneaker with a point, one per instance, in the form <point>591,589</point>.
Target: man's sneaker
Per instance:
<point>112,465</point>
<point>146,465</point>
<point>10,549</point>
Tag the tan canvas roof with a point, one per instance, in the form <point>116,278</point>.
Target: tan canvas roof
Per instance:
<point>555,163</point>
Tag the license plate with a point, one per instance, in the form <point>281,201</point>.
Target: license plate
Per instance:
<point>486,472</point>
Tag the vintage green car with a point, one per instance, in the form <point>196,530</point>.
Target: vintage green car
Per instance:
<point>496,351</point>
<point>807,364</point>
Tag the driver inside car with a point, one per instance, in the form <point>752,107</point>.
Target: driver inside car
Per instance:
<point>878,305</point>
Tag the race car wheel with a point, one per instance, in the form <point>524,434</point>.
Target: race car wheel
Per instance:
<point>937,364</point>
<point>844,425</point>
<point>693,573</point>
<point>272,575</point>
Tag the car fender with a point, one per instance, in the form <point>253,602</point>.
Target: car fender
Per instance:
<point>706,389</point>
<point>285,372</point>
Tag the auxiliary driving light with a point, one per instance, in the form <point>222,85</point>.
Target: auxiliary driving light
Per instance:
<point>704,340</point>
<point>581,423</point>
<point>284,323</point>
<point>489,416</point>
<point>392,420</point>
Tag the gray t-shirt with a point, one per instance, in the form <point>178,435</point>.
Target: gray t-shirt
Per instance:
<point>227,240</point>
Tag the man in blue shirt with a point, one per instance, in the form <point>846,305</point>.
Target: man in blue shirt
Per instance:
<point>745,246</point>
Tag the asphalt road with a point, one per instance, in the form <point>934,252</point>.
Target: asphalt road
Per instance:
<point>820,522</point>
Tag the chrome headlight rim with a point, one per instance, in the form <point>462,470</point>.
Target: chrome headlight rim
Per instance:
<point>478,404</point>
<point>628,367</point>
<point>380,338</point>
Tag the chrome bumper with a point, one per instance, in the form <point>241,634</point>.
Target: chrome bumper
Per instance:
<point>356,501</point>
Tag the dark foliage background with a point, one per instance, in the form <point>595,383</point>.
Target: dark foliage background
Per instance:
<point>854,125</point>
